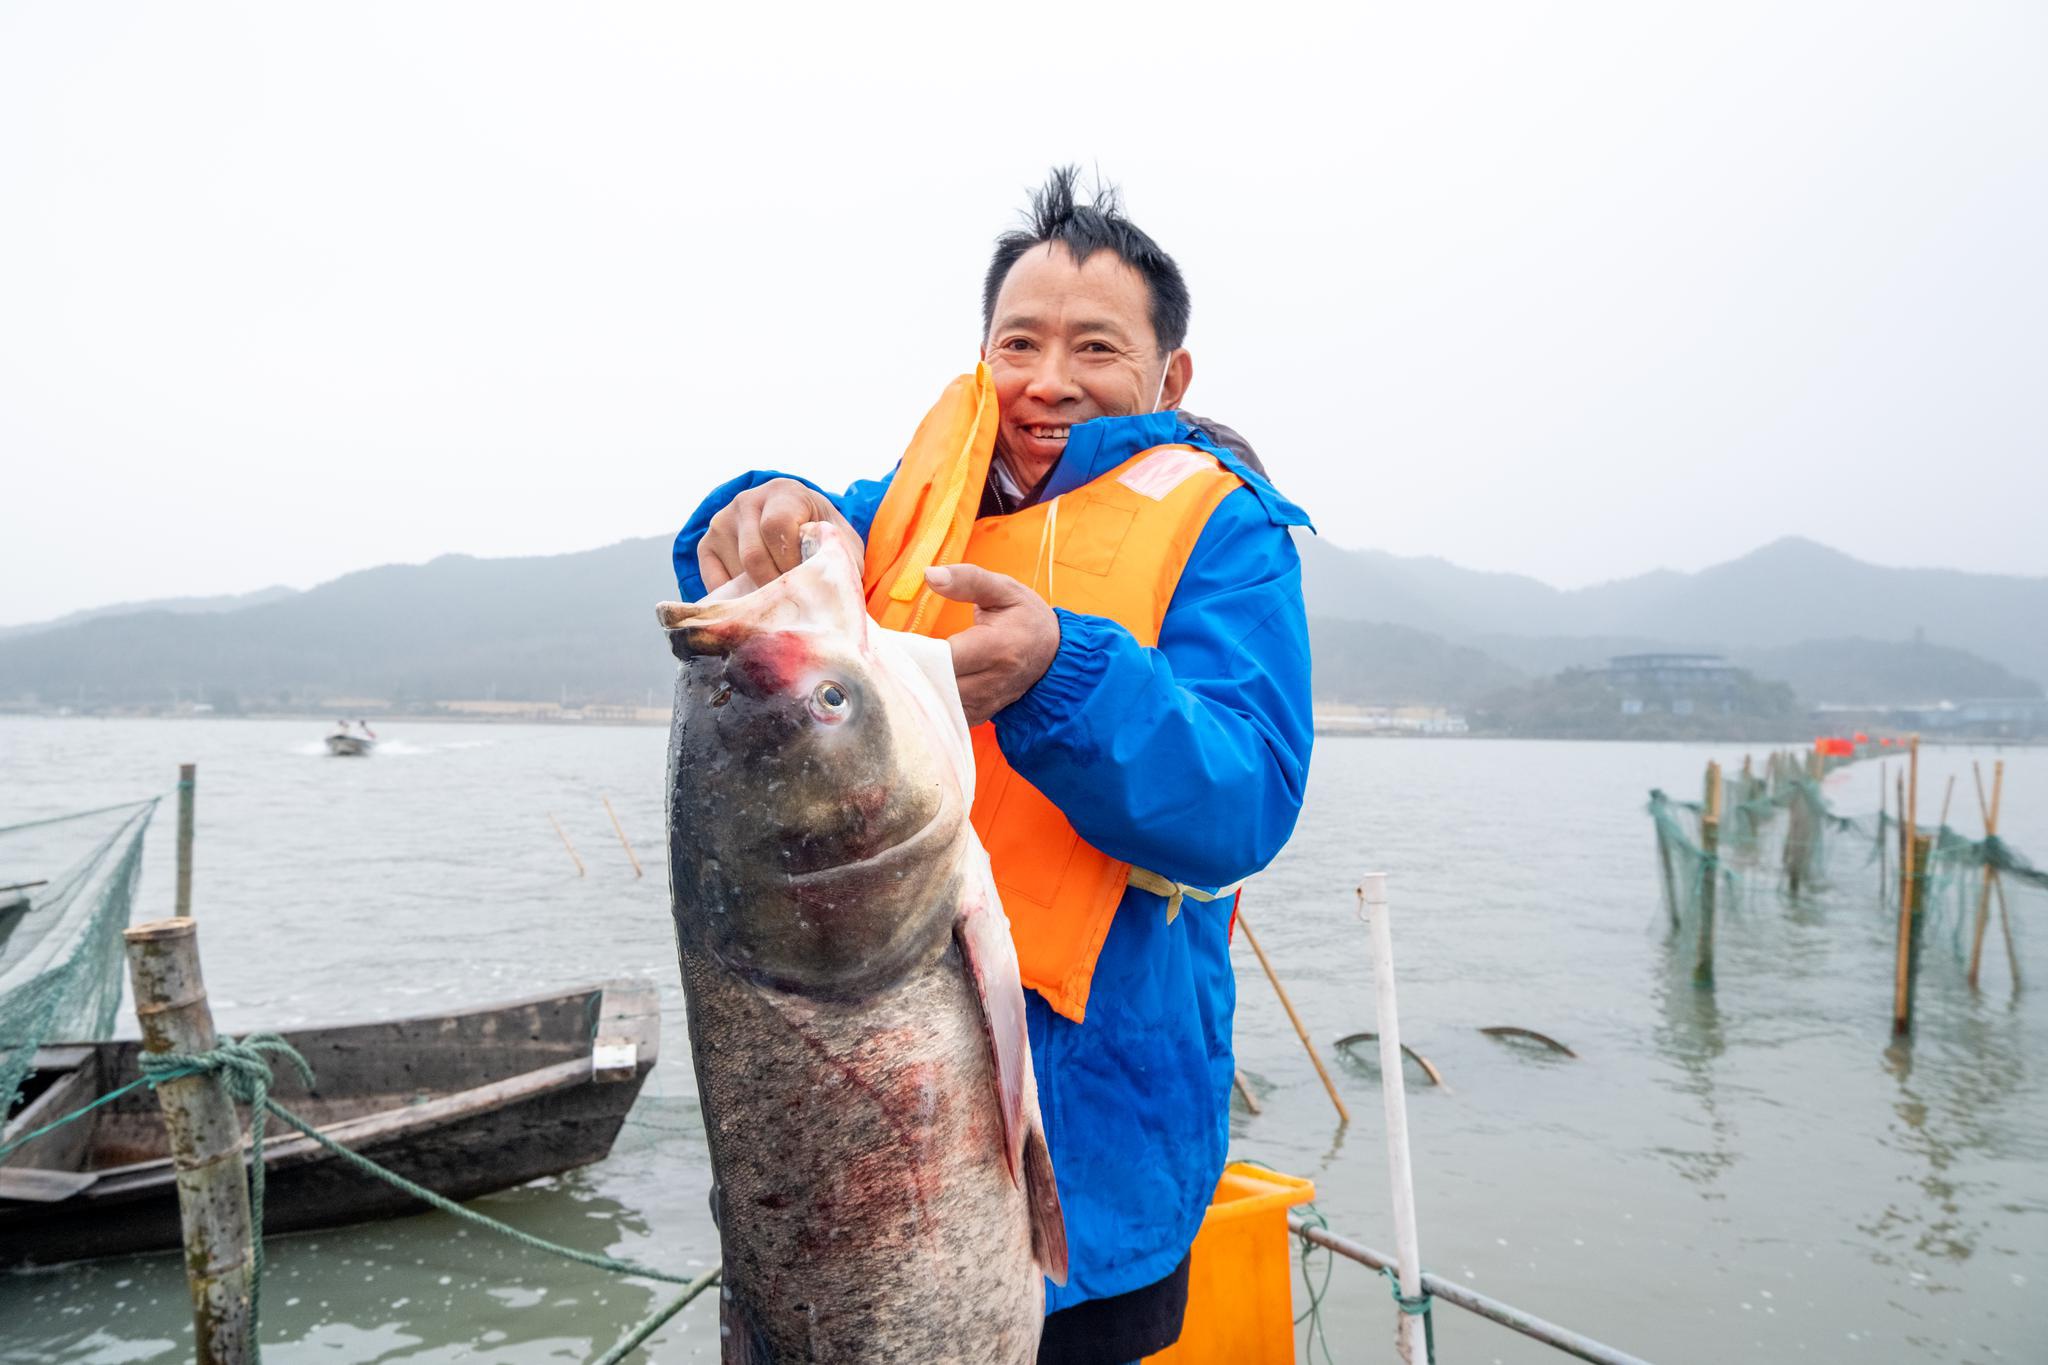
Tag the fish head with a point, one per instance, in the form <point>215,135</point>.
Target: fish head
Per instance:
<point>819,776</point>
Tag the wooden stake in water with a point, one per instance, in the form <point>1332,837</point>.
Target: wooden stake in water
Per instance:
<point>1798,843</point>
<point>630,855</point>
<point>2012,959</point>
<point>1902,975</point>
<point>1300,1029</point>
<point>1670,882</point>
<point>1372,904</point>
<point>1884,862</point>
<point>188,780</point>
<point>566,844</point>
<point>1899,822</point>
<point>1710,873</point>
<point>1990,813</point>
<point>205,1140</point>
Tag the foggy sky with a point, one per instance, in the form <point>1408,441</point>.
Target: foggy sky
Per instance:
<point>1574,291</point>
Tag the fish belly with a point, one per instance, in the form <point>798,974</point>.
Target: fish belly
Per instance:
<point>865,1208</point>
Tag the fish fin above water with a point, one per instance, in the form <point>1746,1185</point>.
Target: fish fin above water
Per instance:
<point>991,961</point>
<point>1042,1197</point>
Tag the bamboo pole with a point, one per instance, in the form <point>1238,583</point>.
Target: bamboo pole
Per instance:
<point>188,781</point>
<point>1797,844</point>
<point>1923,860</point>
<point>1372,901</point>
<point>1343,1114</point>
<point>1884,870</point>
<point>1670,883</point>
<point>205,1140</point>
<point>1244,1091</point>
<point>1989,812</point>
<point>1899,821</point>
<point>1710,871</point>
<point>1902,975</point>
<point>566,844</point>
<point>2012,958</point>
<point>630,855</point>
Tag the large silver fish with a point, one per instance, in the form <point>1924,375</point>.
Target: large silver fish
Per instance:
<point>882,1186</point>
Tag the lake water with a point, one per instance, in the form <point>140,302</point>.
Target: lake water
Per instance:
<point>1752,1173</point>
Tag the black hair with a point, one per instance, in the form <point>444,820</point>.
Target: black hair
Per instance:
<point>1085,229</point>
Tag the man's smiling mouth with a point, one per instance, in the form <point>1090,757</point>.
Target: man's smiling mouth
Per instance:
<point>1046,433</point>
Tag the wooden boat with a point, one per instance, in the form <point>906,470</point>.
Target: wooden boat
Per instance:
<point>464,1104</point>
<point>350,746</point>
<point>14,905</point>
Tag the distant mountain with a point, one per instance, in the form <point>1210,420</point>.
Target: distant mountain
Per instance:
<point>1858,672</point>
<point>1786,592</point>
<point>179,606</point>
<point>1385,630</point>
<point>580,625</point>
<point>1381,665</point>
<point>1424,593</point>
<point>1542,655</point>
<point>1581,704</point>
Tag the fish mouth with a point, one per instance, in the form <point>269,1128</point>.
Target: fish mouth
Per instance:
<point>934,833</point>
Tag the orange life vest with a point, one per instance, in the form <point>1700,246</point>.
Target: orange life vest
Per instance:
<point>1114,547</point>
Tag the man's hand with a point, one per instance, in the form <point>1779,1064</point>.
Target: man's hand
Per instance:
<point>757,533</point>
<point>1010,645</point>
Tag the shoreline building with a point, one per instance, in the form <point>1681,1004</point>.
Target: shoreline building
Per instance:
<point>1682,684</point>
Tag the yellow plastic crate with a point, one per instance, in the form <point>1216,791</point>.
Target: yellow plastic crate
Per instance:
<point>1240,1289</point>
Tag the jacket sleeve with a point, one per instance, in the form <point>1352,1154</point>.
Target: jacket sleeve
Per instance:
<point>857,504</point>
<point>1189,759</point>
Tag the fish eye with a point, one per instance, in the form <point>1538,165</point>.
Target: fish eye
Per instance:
<point>829,701</point>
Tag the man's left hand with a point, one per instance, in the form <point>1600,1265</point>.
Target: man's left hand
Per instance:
<point>1010,645</point>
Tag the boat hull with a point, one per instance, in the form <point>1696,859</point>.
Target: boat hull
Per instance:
<point>460,1141</point>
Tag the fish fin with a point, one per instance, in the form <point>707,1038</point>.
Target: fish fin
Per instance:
<point>983,934</point>
<point>991,961</point>
<point>743,1342</point>
<point>1042,1197</point>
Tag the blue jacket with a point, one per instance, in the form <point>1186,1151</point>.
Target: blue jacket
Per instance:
<point>1189,759</point>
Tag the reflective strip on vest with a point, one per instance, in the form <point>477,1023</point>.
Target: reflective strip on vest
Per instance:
<point>1114,547</point>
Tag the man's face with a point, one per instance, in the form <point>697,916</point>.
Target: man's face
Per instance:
<point>1072,340</point>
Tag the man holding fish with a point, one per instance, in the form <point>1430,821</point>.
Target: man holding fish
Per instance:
<point>1117,586</point>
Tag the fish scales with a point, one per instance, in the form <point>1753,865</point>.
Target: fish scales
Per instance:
<point>881,1183</point>
<point>861,1216</point>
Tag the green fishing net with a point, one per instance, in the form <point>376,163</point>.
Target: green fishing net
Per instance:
<point>66,885</point>
<point>1779,841</point>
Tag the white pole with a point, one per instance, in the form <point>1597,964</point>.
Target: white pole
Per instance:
<point>1372,906</point>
